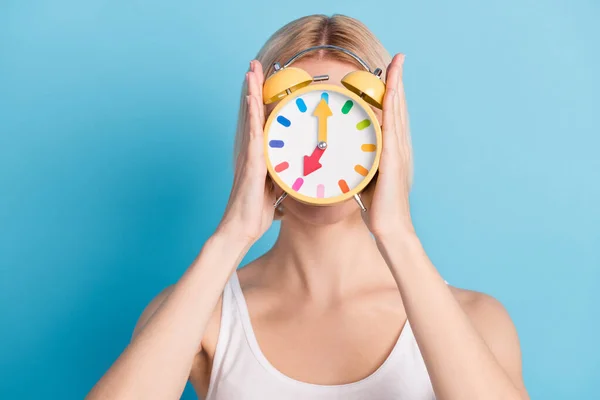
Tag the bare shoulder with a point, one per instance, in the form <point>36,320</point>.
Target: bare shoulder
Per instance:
<point>491,319</point>
<point>151,308</point>
<point>485,312</point>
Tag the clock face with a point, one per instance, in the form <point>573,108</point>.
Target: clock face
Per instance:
<point>296,157</point>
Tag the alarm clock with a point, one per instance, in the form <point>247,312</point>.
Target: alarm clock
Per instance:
<point>322,141</point>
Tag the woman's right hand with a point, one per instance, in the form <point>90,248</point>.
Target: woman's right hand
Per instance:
<point>249,212</point>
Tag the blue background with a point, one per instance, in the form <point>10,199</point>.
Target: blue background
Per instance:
<point>116,128</point>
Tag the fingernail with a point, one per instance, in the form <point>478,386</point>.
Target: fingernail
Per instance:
<point>402,58</point>
<point>248,99</point>
<point>251,65</point>
<point>247,74</point>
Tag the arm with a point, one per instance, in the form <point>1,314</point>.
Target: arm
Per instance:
<point>470,347</point>
<point>157,362</point>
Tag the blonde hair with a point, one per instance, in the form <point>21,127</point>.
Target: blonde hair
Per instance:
<point>314,30</point>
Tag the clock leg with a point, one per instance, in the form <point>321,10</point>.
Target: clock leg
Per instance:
<point>280,199</point>
<point>360,203</point>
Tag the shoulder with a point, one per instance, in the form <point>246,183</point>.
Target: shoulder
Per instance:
<point>151,308</point>
<point>477,304</point>
<point>484,311</point>
<point>495,326</point>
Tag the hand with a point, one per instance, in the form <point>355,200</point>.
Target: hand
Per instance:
<point>249,211</point>
<point>389,211</point>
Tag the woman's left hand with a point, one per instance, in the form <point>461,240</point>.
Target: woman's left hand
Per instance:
<point>389,211</point>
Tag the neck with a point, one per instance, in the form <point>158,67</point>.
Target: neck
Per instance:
<point>325,261</point>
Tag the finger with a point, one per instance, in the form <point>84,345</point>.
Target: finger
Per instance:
<point>260,75</point>
<point>402,116</point>
<point>390,139</point>
<point>255,124</point>
<point>400,132</point>
<point>391,84</point>
<point>393,73</point>
<point>257,68</point>
<point>404,159</point>
<point>254,89</point>
<point>253,114</point>
<point>401,110</point>
<point>394,80</point>
<point>255,147</point>
<point>257,85</point>
<point>253,86</point>
<point>388,122</point>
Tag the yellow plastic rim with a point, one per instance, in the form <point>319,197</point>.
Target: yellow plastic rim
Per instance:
<point>344,196</point>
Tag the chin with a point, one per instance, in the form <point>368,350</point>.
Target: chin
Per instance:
<point>321,215</point>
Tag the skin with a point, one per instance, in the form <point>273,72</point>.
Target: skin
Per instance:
<point>324,274</point>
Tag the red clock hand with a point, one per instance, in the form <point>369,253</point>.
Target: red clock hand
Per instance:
<point>311,163</point>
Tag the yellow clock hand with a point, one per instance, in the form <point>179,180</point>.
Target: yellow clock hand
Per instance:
<point>322,112</point>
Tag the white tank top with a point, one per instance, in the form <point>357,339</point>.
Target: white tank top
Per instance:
<point>241,371</point>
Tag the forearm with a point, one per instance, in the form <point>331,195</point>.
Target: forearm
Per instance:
<point>459,362</point>
<point>157,363</point>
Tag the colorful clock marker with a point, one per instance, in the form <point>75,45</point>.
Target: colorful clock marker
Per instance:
<point>368,147</point>
<point>298,184</point>
<point>320,191</point>
<point>363,124</point>
<point>283,121</point>
<point>361,170</point>
<point>277,144</point>
<point>347,106</point>
<point>343,186</point>
<point>301,104</point>
<point>325,96</point>
<point>282,166</point>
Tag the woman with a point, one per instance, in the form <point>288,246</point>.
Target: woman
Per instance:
<point>346,305</point>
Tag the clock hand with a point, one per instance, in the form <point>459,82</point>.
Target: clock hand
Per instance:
<point>322,112</point>
<point>311,163</point>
